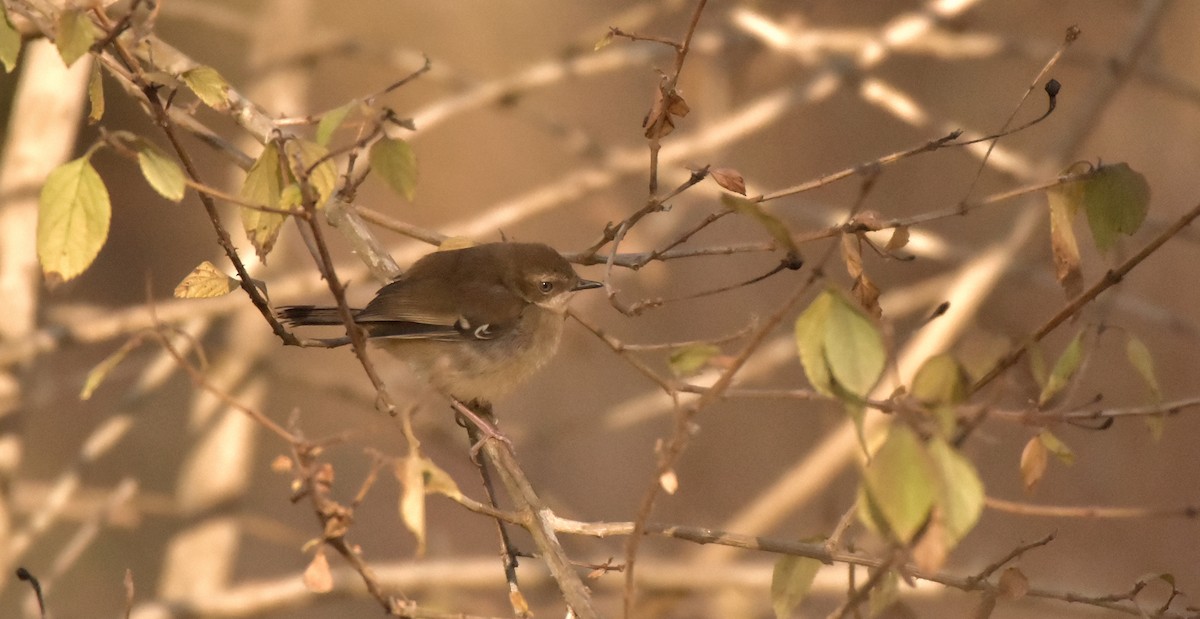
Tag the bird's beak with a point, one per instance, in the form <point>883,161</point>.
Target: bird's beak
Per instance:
<point>586,284</point>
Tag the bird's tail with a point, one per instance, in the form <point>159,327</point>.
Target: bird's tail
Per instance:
<point>302,315</point>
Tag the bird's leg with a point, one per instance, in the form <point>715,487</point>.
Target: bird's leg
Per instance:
<point>480,414</point>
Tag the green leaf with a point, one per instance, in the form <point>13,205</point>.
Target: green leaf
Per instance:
<point>208,85</point>
<point>886,594</point>
<point>961,498</point>
<point>10,42</point>
<point>810,342</point>
<point>1116,200</point>
<point>853,347</point>
<point>163,174</point>
<point>790,582</point>
<point>323,178</point>
<point>688,360</point>
<point>262,186</point>
<point>773,225</point>
<point>73,218</point>
<point>95,95</point>
<point>1056,447</point>
<point>205,282</point>
<point>1063,370</point>
<point>941,380</point>
<point>396,163</point>
<point>75,35</point>
<point>1142,361</point>
<point>902,482</point>
<point>1037,364</point>
<point>331,121</point>
<point>101,370</point>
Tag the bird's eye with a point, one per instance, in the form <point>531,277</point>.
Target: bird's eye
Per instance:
<point>545,286</point>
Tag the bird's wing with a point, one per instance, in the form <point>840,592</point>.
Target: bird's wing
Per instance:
<point>409,309</point>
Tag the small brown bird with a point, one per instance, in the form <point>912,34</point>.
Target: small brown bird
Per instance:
<point>475,321</point>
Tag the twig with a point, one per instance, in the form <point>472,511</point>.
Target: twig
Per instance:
<point>995,566</point>
<point>1110,279</point>
<point>1189,512</point>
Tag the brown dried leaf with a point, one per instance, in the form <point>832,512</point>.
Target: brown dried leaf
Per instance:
<point>1033,463</point>
<point>1066,249</point>
<point>899,239</point>
<point>519,605</point>
<point>931,549</point>
<point>867,294</point>
<point>852,255</point>
<point>1013,584</point>
<point>604,41</point>
<point>669,482</point>
<point>317,576</point>
<point>281,464</point>
<point>412,498</point>
<point>660,120</point>
<point>729,179</point>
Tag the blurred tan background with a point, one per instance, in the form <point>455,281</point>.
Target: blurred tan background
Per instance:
<point>524,131</point>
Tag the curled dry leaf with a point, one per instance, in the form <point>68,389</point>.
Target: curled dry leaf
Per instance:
<point>899,239</point>
<point>281,464</point>
<point>1013,584</point>
<point>931,548</point>
<point>729,179</point>
<point>317,576</point>
<point>1033,463</point>
<point>669,482</point>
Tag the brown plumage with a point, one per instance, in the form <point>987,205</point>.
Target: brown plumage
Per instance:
<point>475,321</point>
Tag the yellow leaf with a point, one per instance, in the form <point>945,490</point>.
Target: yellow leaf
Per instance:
<point>961,499</point>
<point>208,85</point>
<point>902,482</point>
<point>773,225</point>
<point>1056,447</point>
<point>941,380</point>
<point>810,342</point>
<point>1140,358</point>
<point>101,370</point>
<point>791,581</point>
<point>689,360</point>
<point>395,162</point>
<point>885,595</point>
<point>75,35</point>
<point>10,42</point>
<point>204,282</point>
<point>331,121</point>
<point>853,348</point>
<point>163,174</point>
<point>95,95</point>
<point>73,218</point>
<point>1116,200</point>
<point>263,186</point>
<point>323,178</point>
<point>1064,369</point>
